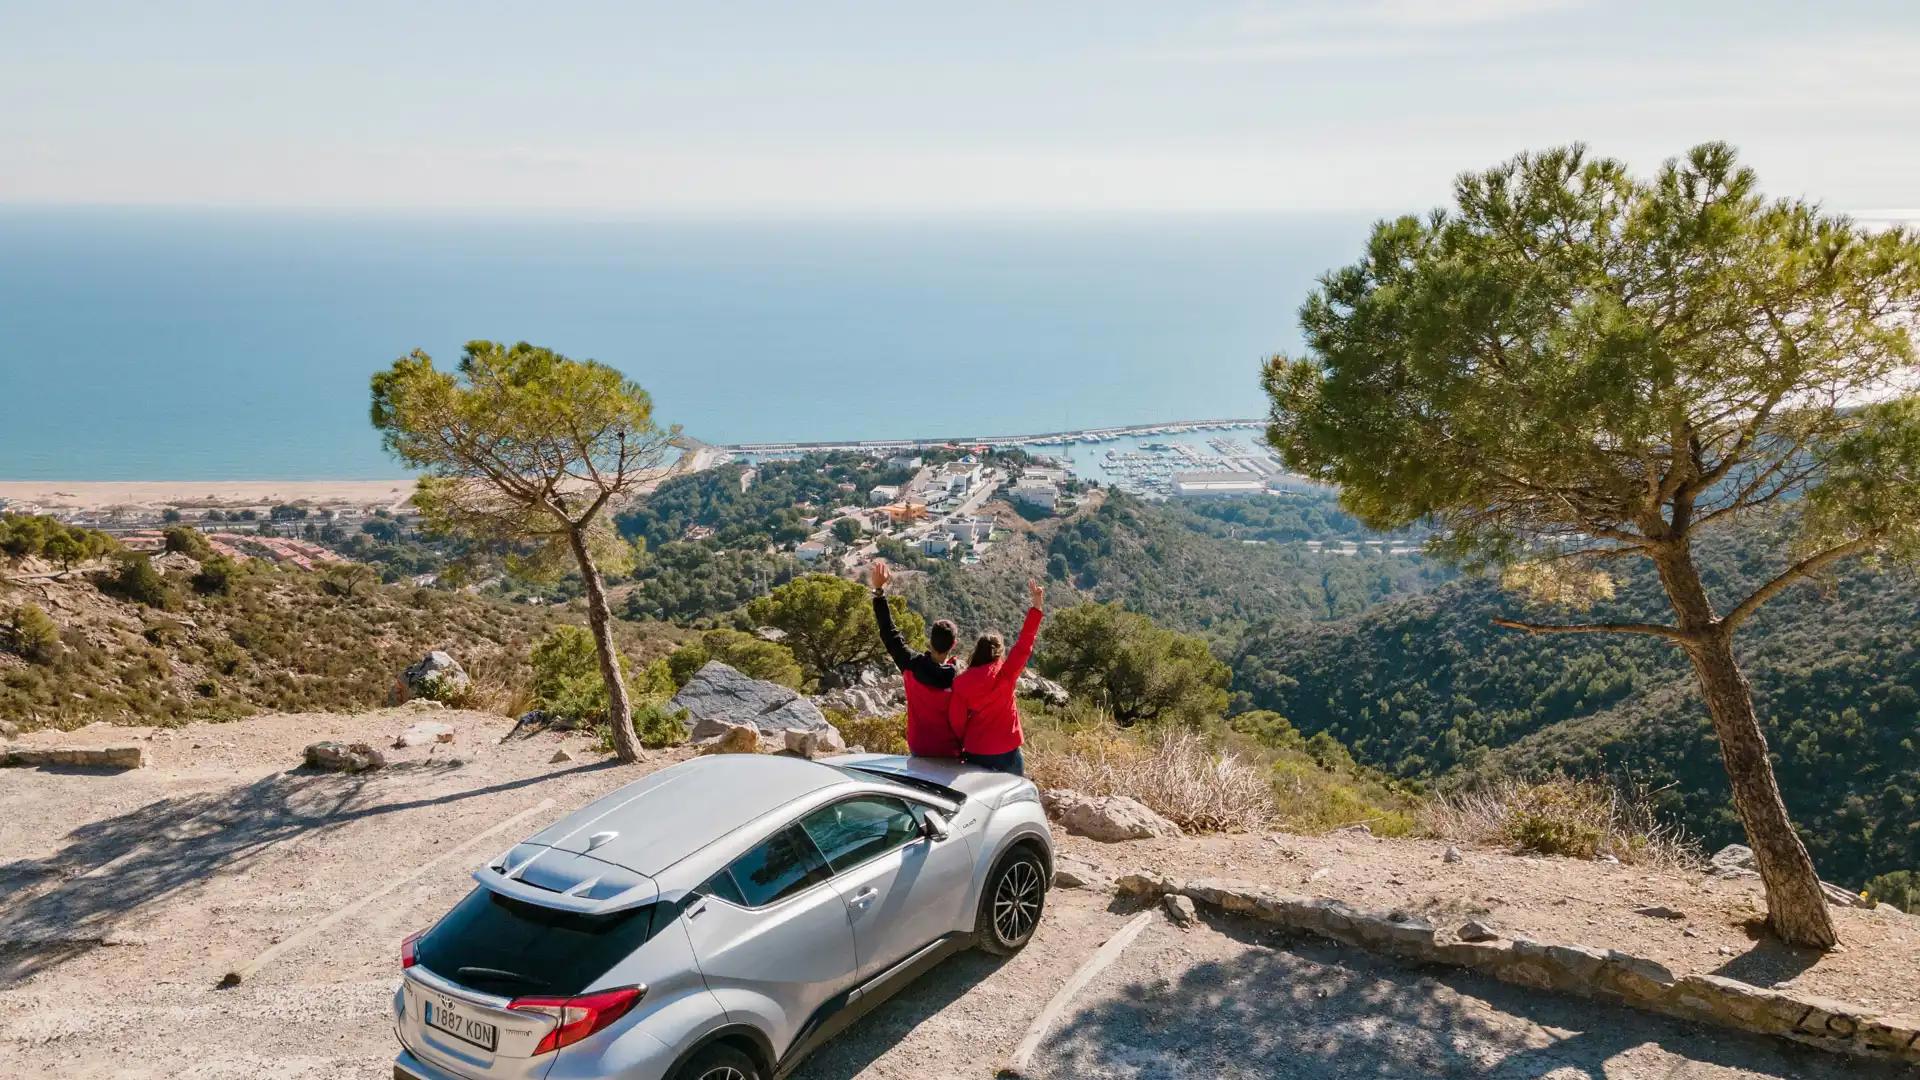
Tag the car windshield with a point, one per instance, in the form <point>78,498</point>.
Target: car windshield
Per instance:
<point>499,945</point>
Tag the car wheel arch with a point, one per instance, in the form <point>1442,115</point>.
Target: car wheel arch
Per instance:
<point>746,1038</point>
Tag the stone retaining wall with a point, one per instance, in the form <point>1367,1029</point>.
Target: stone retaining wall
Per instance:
<point>1833,1025</point>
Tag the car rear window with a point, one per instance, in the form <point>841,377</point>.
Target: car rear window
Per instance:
<point>499,945</point>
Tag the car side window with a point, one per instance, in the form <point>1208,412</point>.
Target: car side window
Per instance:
<point>852,831</point>
<point>722,886</point>
<point>777,867</point>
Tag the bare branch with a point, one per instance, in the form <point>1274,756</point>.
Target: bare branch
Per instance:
<point>1798,570</point>
<point>1655,629</point>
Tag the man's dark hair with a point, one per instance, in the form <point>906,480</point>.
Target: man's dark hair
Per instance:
<point>942,635</point>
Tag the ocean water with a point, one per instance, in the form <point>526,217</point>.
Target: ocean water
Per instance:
<point>197,345</point>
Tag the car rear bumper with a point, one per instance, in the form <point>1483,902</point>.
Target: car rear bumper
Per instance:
<point>408,1067</point>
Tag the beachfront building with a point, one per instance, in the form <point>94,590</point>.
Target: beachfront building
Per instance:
<point>1188,485</point>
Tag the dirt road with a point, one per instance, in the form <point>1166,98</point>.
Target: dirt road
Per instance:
<point>128,898</point>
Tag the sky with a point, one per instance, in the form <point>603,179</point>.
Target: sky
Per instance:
<point>834,108</point>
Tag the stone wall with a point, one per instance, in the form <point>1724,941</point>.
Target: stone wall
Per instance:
<point>1613,976</point>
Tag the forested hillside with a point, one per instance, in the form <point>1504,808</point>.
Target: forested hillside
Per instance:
<point>1172,564</point>
<point>1427,687</point>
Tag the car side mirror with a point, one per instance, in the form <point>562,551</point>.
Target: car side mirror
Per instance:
<point>933,826</point>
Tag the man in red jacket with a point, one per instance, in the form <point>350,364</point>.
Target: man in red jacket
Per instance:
<point>928,675</point>
<point>982,709</point>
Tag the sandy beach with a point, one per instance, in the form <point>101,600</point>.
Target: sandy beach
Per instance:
<point>77,495</point>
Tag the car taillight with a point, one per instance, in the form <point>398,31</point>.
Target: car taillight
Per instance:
<point>578,1017</point>
<point>407,957</point>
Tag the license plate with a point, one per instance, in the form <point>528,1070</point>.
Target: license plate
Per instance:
<point>444,1014</point>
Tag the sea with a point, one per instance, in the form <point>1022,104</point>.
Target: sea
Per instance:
<point>169,344</point>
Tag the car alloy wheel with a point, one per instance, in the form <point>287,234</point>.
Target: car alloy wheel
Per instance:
<point>724,1072</point>
<point>1016,902</point>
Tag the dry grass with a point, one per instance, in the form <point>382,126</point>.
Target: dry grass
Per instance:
<point>1581,819</point>
<point>1180,775</point>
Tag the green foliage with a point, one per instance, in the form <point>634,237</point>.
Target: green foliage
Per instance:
<point>32,634</point>
<point>1573,352</point>
<point>138,581</point>
<point>22,535</point>
<point>655,725</point>
<point>829,624</point>
<point>1138,671</point>
<point>771,509</point>
<point>1557,818</point>
<point>1427,688</point>
<point>1901,888</point>
<point>847,530</point>
<point>567,683</point>
<point>215,577</point>
<point>694,582</point>
<point>743,652</point>
<point>188,541</point>
<point>874,734</point>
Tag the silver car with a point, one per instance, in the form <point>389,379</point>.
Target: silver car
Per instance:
<point>719,919</point>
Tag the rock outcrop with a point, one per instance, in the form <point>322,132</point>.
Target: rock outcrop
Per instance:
<point>873,695</point>
<point>424,733</point>
<point>1106,818</point>
<point>719,698</point>
<point>436,676</point>
<point>343,757</point>
<point>74,757</point>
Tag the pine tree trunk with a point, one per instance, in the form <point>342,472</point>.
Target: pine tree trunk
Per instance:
<point>1796,906</point>
<point>626,745</point>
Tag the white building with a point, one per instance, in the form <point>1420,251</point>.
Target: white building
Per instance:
<point>1035,493</point>
<point>959,476</point>
<point>973,530</point>
<point>884,494</point>
<point>937,543</point>
<point>904,461</point>
<point>1191,484</point>
<point>811,551</point>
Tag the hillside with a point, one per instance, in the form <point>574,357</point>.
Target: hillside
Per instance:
<point>1178,566</point>
<point>274,640</point>
<point>1427,688</point>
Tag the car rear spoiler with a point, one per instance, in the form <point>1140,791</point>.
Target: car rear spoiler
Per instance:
<point>566,881</point>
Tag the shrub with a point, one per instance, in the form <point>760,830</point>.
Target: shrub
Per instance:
<point>874,734</point>
<point>32,634</point>
<point>1180,775</point>
<point>1900,888</point>
<point>745,653</point>
<point>215,577</point>
<point>138,581</point>
<point>188,541</point>
<point>1581,819</point>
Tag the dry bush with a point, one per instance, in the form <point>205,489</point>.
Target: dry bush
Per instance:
<point>1180,775</point>
<point>874,734</point>
<point>1582,819</point>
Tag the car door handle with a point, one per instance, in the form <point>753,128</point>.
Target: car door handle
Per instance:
<point>863,897</point>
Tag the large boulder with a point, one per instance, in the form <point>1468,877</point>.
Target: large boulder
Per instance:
<point>1047,690</point>
<point>1106,818</point>
<point>813,744</point>
<point>718,698</point>
<point>436,676</point>
<point>875,697</point>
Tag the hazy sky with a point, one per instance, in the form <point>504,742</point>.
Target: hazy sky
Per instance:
<point>860,108</point>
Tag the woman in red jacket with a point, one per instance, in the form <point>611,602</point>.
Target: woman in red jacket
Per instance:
<point>982,709</point>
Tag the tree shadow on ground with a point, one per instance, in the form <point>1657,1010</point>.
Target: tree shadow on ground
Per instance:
<point>881,1030</point>
<point>69,903</point>
<point>1284,1007</point>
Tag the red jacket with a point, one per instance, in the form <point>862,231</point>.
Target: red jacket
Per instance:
<point>983,713</point>
<point>928,684</point>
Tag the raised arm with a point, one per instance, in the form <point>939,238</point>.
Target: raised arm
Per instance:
<point>1016,661</point>
<point>883,614</point>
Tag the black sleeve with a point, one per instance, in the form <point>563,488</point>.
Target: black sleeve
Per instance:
<point>896,645</point>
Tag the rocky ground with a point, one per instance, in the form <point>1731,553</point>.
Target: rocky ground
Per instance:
<point>131,895</point>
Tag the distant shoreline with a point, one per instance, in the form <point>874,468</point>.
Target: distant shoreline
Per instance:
<point>75,495</point>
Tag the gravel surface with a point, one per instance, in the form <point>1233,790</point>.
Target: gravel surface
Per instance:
<point>129,896</point>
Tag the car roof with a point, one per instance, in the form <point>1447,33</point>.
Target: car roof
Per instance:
<point>665,816</point>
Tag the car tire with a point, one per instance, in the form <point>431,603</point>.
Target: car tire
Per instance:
<point>1011,904</point>
<point>719,1062</point>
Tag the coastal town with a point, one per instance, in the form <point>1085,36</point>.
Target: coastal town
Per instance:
<point>937,512</point>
